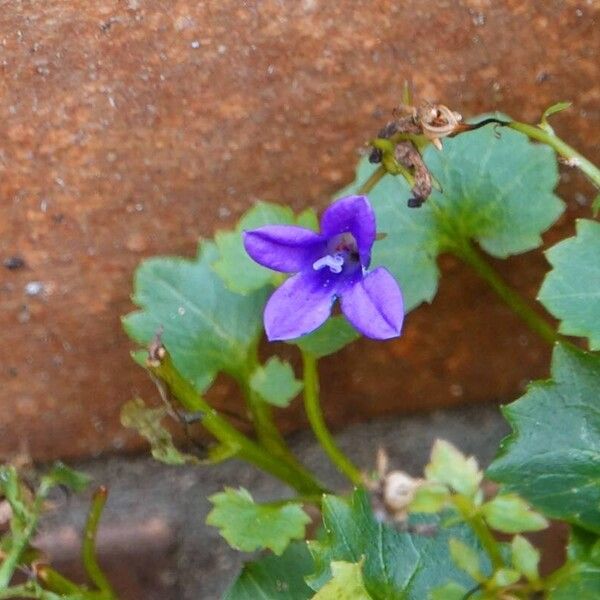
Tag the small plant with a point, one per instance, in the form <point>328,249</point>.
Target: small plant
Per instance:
<point>486,189</point>
<point>23,506</point>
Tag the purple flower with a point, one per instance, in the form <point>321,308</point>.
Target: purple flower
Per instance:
<point>330,265</point>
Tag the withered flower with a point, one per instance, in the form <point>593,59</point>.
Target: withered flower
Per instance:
<point>437,121</point>
<point>393,491</point>
<point>432,121</point>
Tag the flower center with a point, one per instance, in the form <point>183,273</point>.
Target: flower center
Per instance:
<point>342,251</point>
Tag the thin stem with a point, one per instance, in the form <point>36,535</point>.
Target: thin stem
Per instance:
<point>566,151</point>
<point>268,434</point>
<point>468,253</point>
<point>31,589</point>
<point>297,478</point>
<point>27,590</point>
<point>317,421</point>
<point>468,511</point>
<point>260,412</point>
<point>54,581</point>
<point>373,180</point>
<point>21,540</point>
<point>88,550</point>
<point>262,415</point>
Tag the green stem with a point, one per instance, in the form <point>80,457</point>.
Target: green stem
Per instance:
<point>88,550</point>
<point>55,582</point>
<point>377,175</point>
<point>566,151</point>
<point>268,434</point>
<point>297,478</point>
<point>260,412</point>
<point>266,430</point>
<point>27,590</point>
<point>317,422</point>
<point>262,417</point>
<point>468,511</point>
<point>20,540</point>
<point>31,589</point>
<point>469,254</point>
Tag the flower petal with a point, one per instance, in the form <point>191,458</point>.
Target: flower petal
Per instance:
<point>285,248</point>
<point>352,214</point>
<point>300,305</point>
<point>374,305</point>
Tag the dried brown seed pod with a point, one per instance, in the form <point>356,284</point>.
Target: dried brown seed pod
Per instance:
<point>437,121</point>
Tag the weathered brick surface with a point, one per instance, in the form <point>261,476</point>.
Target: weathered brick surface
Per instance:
<point>131,128</point>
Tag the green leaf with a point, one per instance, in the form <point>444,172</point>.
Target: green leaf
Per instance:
<point>60,474</point>
<point>205,327</point>
<point>465,558</point>
<point>275,577</point>
<point>248,526</point>
<point>239,272</point>
<point>525,558</point>
<point>580,577</point>
<point>575,580</point>
<point>450,591</point>
<point>497,190</point>
<point>332,336</point>
<point>308,218</point>
<point>583,546</point>
<point>552,110</point>
<point>346,583</point>
<point>551,459</point>
<point>430,498</point>
<point>571,290</point>
<point>147,422</point>
<point>452,468</point>
<point>397,564</point>
<point>510,514</point>
<point>275,382</point>
<point>556,108</point>
<point>504,577</point>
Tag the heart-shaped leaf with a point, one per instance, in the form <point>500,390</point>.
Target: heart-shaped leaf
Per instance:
<point>205,327</point>
<point>552,457</point>
<point>497,189</point>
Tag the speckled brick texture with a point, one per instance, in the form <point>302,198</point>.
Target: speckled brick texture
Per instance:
<point>131,128</point>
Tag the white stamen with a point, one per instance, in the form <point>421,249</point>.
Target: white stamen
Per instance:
<point>335,262</point>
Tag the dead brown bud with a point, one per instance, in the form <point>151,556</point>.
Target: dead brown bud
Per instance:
<point>434,121</point>
<point>408,156</point>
